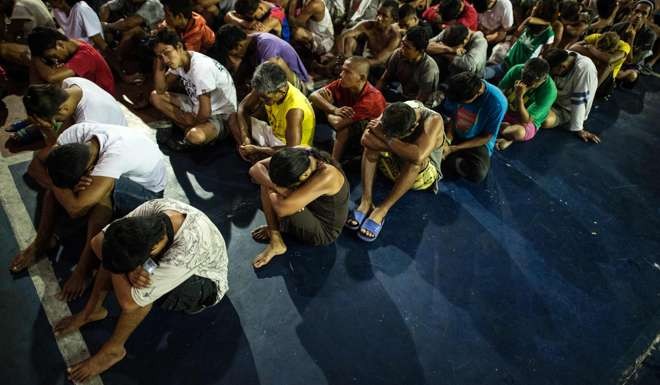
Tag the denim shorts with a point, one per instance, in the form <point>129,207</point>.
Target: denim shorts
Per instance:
<point>128,195</point>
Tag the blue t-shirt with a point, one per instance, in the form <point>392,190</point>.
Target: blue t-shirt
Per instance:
<point>484,115</point>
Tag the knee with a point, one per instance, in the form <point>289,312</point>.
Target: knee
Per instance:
<point>299,34</point>
<point>370,155</point>
<point>155,99</point>
<point>196,136</point>
<point>474,173</point>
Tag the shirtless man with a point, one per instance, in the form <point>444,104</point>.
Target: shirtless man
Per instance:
<point>382,36</point>
<point>311,25</point>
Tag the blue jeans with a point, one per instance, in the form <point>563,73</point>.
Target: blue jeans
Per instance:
<point>494,73</point>
<point>128,195</point>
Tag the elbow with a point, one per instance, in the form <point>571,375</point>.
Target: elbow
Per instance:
<point>127,305</point>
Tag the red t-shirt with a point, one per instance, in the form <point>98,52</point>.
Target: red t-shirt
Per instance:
<point>369,104</point>
<point>88,63</point>
<point>469,17</point>
<point>198,36</point>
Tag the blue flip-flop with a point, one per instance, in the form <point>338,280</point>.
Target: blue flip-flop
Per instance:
<point>371,226</point>
<point>357,216</point>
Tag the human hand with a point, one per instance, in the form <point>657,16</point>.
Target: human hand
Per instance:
<point>139,278</point>
<point>84,182</point>
<point>448,150</point>
<point>587,136</point>
<point>520,88</point>
<point>460,51</point>
<point>344,112</point>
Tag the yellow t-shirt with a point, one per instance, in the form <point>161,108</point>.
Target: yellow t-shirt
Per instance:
<point>621,46</point>
<point>277,115</point>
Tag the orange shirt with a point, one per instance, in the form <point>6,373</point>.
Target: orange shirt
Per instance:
<point>198,36</point>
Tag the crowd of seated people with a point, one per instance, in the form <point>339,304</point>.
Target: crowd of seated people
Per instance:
<point>416,90</point>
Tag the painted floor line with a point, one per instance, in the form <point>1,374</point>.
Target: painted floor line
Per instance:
<point>73,346</point>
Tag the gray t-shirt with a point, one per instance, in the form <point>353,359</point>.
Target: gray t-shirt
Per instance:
<point>197,249</point>
<point>416,78</point>
<point>474,59</point>
<point>151,10</point>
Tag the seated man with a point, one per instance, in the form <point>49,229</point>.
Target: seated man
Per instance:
<point>94,171</point>
<point>304,193</point>
<point>210,97</point>
<point>381,35</point>
<point>534,34</point>
<point>23,16</point>
<point>574,23</point>
<point>576,79</point>
<point>608,52</point>
<point>165,253</point>
<point>408,18</point>
<point>450,12</point>
<point>349,103</point>
<point>52,109</point>
<point>125,22</point>
<point>640,37</point>
<point>191,26</point>
<point>531,92</point>
<point>79,21</point>
<point>56,57</point>
<point>495,18</point>
<point>311,25</point>
<point>291,119</point>
<point>259,16</point>
<point>413,70</point>
<point>406,143</point>
<point>476,109</point>
<point>457,49</point>
<point>241,53</point>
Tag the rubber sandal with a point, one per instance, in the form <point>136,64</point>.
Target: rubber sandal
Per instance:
<point>357,216</point>
<point>371,226</point>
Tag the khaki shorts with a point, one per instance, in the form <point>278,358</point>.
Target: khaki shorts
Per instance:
<point>219,121</point>
<point>390,165</point>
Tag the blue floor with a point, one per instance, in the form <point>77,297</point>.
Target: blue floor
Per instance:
<point>547,273</point>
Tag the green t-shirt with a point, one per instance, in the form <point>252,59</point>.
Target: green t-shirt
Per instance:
<point>537,101</point>
<point>527,46</point>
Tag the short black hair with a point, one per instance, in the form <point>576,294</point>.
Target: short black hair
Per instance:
<point>7,7</point>
<point>535,69</point>
<point>547,10</point>
<point>176,7</point>
<point>418,38</point>
<point>570,10</point>
<point>127,243</point>
<point>67,163</point>
<point>455,35</point>
<point>450,9</point>
<point>227,38</point>
<point>43,100</point>
<point>393,8</point>
<point>397,120</point>
<point>166,36</point>
<point>246,8</point>
<point>555,56</point>
<point>406,10</point>
<point>480,6</point>
<point>463,86</point>
<point>42,39</point>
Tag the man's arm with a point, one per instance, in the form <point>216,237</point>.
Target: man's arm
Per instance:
<point>78,204</point>
<point>294,119</point>
<point>354,32</point>
<point>122,289</point>
<point>338,117</point>
<point>126,24</point>
<point>477,141</point>
<point>321,183</point>
<point>51,74</point>
<point>162,80</point>
<point>313,7</point>
<point>421,149</point>
<point>245,107</point>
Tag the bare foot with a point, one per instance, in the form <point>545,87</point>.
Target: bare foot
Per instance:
<point>73,287</point>
<point>275,247</point>
<point>23,259</point>
<point>502,144</point>
<point>261,234</point>
<point>103,360</point>
<point>378,216</point>
<point>76,321</point>
<point>363,208</point>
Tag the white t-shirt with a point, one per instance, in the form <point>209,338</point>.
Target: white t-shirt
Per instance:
<point>500,16</point>
<point>197,249</point>
<point>124,151</point>
<point>576,90</point>
<point>81,22</point>
<point>96,104</point>
<point>208,76</point>
<point>35,12</point>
